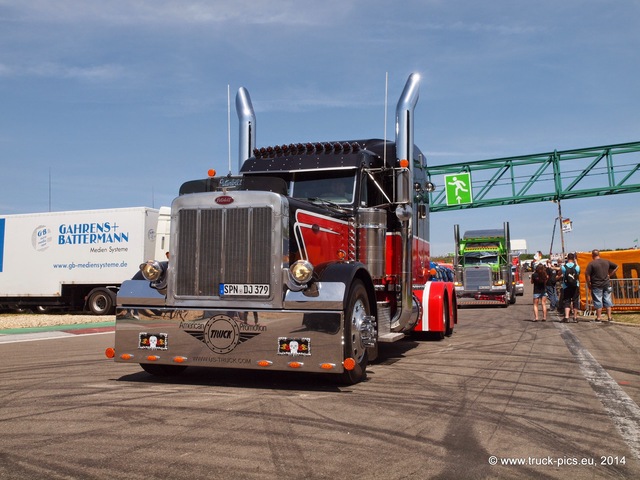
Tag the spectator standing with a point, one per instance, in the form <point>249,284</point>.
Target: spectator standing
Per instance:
<point>539,280</point>
<point>570,288</point>
<point>598,276</point>
<point>552,292</point>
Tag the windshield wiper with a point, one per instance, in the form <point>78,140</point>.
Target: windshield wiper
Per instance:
<point>337,206</point>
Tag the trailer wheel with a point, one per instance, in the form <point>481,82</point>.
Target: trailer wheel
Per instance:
<point>19,309</point>
<point>162,370</point>
<point>357,309</point>
<point>101,301</point>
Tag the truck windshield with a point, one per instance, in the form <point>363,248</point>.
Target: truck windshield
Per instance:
<point>335,187</point>
<point>480,258</point>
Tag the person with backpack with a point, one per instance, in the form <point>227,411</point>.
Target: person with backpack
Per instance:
<point>539,280</point>
<point>570,288</point>
<point>552,292</point>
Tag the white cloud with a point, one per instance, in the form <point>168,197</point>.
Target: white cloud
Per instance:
<point>175,12</point>
<point>55,70</point>
<point>478,27</point>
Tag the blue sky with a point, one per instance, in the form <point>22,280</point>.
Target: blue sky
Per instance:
<point>121,101</point>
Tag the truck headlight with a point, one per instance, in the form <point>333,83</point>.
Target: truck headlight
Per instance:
<point>301,271</point>
<point>152,270</point>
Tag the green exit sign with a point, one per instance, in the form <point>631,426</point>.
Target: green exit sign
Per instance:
<point>458,188</point>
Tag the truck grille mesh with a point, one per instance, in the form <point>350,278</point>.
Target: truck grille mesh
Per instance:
<point>476,277</point>
<point>215,246</point>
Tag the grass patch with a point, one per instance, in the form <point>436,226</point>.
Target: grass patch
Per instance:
<point>622,317</point>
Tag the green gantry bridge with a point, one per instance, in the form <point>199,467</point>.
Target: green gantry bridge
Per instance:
<point>554,176</point>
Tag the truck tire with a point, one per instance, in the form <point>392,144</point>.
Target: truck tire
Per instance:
<point>19,309</point>
<point>448,331</point>
<point>445,321</point>
<point>101,301</point>
<point>357,308</point>
<point>162,370</point>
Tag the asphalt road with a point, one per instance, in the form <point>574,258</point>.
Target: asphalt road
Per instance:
<point>559,400</point>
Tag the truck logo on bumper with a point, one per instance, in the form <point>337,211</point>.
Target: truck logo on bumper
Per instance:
<point>222,334</point>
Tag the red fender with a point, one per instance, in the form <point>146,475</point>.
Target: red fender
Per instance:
<point>432,300</point>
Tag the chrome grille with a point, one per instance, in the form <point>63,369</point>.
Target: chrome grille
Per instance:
<point>476,277</point>
<point>230,245</point>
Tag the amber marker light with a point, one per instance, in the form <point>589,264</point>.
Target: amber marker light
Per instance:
<point>349,363</point>
<point>296,364</point>
<point>211,172</point>
<point>126,356</point>
<point>265,363</point>
<point>179,359</point>
<point>327,366</point>
<point>110,352</point>
<point>153,358</point>
<point>404,163</point>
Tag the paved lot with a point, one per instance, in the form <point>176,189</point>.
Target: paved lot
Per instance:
<point>503,389</point>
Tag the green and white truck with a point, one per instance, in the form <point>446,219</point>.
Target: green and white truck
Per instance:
<point>482,267</point>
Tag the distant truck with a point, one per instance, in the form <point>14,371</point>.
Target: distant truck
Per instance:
<point>483,273</point>
<point>517,276</point>
<point>75,260</point>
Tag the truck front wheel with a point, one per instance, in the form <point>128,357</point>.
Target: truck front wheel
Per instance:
<point>354,315</point>
<point>101,301</point>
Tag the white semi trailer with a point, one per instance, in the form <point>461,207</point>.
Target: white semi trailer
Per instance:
<point>74,260</point>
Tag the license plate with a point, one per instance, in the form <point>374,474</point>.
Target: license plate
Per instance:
<point>244,289</point>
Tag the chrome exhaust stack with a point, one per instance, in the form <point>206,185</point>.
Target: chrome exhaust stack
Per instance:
<point>247,118</point>
<point>408,313</point>
<point>404,138</point>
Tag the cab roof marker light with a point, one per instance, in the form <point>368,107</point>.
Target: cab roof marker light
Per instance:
<point>308,148</point>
